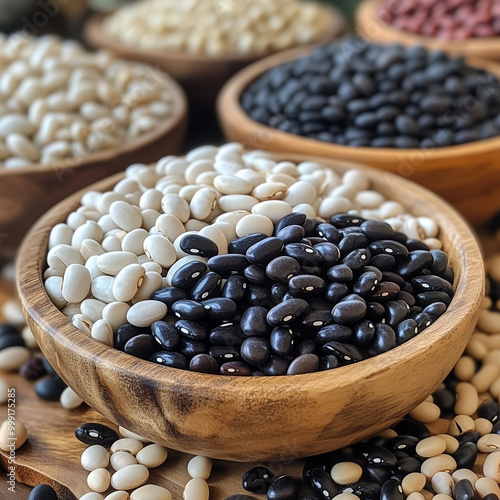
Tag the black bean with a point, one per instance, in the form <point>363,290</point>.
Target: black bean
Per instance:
<point>235,368</point>
<point>408,465</point>
<point>11,340</point>
<point>265,251</point>
<point>165,334</point>
<point>191,329</point>
<point>375,311</point>
<point>363,489</point>
<point>142,346</point>
<point>220,308</point>
<point>402,446</point>
<point>357,258</point>
<point>253,322</point>
<point>391,490</point>
<point>239,497</point>
<point>127,332</point>
<point>196,244</point>
<point>430,283</point>
<point>223,354</point>
<point>464,490</point>
<point>345,353</point>
<point>241,245</point>
<point>228,264</point>
<point>206,287</point>
<point>490,410</point>
<point>396,312</point>
<point>366,283</point>
<point>491,496</point>
<point>406,330</point>
<point>276,365</point>
<point>50,388</point>
<point>349,312</point>
<point>340,273</point>
<point>293,219</point>
<point>282,269</point>
<point>412,427</point>
<point>33,368</point>
<point>283,488</point>
<point>304,254</point>
<point>171,359</point>
<point>334,292</point>
<point>291,234</point>
<point>364,332</point>
<point>285,312</point>
<point>352,241</point>
<point>190,348</point>
<point>282,340</point>
<point>440,262</point>
<point>305,285</point>
<point>93,433</point>
<point>8,329</point>
<point>169,295</point>
<point>322,484</point>
<point>384,262</point>
<point>384,338</point>
<point>189,310</point>
<point>256,351</point>
<point>204,363</point>
<point>226,334</point>
<point>186,276</point>
<point>466,455</point>
<point>257,479</point>
<point>258,295</point>
<point>315,319</point>
<point>425,299</point>
<point>234,288</point>
<point>378,473</point>
<point>385,291</point>
<point>305,363</point>
<point>43,492</point>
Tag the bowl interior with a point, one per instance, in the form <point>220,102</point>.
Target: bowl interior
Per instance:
<point>303,414</point>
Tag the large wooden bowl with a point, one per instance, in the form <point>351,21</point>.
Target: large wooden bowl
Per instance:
<point>201,75</point>
<point>26,193</point>
<point>467,176</point>
<point>371,27</point>
<point>259,418</point>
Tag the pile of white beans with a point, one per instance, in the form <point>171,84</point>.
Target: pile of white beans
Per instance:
<point>58,101</point>
<point>219,27</point>
<point>120,246</point>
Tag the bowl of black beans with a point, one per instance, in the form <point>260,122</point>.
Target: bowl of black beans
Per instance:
<point>273,321</point>
<point>427,116</point>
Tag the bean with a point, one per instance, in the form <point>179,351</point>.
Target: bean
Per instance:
<point>196,489</point>
<point>94,433</point>
<point>152,456</point>
<point>12,435</point>
<point>98,480</point>
<point>130,477</point>
<point>121,459</point>
<point>199,467</point>
<point>69,399</point>
<point>42,492</point>
<point>346,472</point>
<point>413,483</point>
<point>431,447</point>
<point>439,463</point>
<point>467,399</point>
<point>145,313</point>
<point>151,492</point>
<point>95,457</point>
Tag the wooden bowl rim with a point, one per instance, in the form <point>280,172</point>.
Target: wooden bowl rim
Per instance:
<point>228,102</point>
<point>96,36</point>
<point>165,125</point>
<point>367,12</point>
<point>31,263</point>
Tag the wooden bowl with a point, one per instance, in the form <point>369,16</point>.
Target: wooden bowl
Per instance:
<point>371,27</point>
<point>467,176</point>
<point>202,76</point>
<point>260,418</point>
<point>26,193</point>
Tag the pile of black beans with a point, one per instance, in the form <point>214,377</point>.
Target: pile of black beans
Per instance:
<point>361,94</point>
<point>315,296</point>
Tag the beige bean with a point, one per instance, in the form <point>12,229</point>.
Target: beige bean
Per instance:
<point>464,474</point>
<point>129,434</point>
<point>254,223</point>
<point>483,426</point>
<point>466,399</point>
<point>415,496</point>
<point>134,241</point>
<point>270,191</point>
<point>346,473</point>
<point>231,202</point>
<point>151,492</point>
<point>127,282</point>
<point>196,489</point>
<point>476,349</point>
<point>130,477</point>
<point>76,283</point>
<point>489,443</point>
<point>70,399</point>
<point>465,368</point>
<point>13,434</point>
<point>486,485</point>
<point>486,375</point>
<point>93,495</point>
<point>413,482</point>
<point>98,480</point>
<point>152,456</point>
<point>493,357</point>
<point>439,463</point>
<point>273,209</point>
<point>145,313</point>
<point>442,482</point>
<point>125,216</point>
<point>461,424</point>
<point>113,262</point>
<point>489,321</point>
<point>438,426</point>
<point>102,331</point>
<point>175,205</point>
<point>452,443</point>
<point>232,184</point>
<point>346,496</point>
<point>442,496</point>
<point>83,323</point>
<point>121,459</point>
<point>159,249</point>
<point>430,447</point>
<point>199,467</point>
<point>217,236</point>
<point>102,288</point>
<point>94,457</point>
<point>130,445</point>
<point>425,412</point>
<point>203,203</point>
<point>11,358</point>
<point>118,495</point>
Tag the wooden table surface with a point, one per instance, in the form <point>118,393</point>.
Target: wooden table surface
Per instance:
<point>52,453</point>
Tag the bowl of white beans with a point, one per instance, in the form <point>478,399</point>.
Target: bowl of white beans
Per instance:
<point>69,118</point>
<point>74,280</point>
<point>201,44</point>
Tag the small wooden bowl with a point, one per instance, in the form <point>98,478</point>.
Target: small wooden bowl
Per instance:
<point>467,176</point>
<point>202,76</point>
<point>26,193</point>
<point>371,27</point>
<point>260,418</point>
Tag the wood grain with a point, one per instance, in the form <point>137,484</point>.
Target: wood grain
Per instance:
<point>260,418</point>
<point>467,176</point>
<point>25,194</point>
<point>371,27</point>
<point>201,75</point>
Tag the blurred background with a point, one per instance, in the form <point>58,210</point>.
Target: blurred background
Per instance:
<point>66,16</point>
